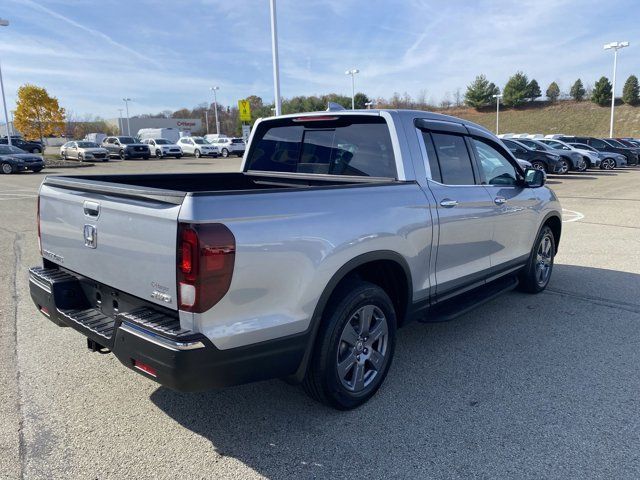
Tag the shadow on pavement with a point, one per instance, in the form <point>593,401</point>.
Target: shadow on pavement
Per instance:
<point>526,385</point>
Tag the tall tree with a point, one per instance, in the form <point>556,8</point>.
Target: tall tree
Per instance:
<point>516,91</point>
<point>38,114</point>
<point>602,92</point>
<point>479,92</point>
<point>534,90</point>
<point>631,91</point>
<point>360,100</point>
<point>553,92</point>
<point>577,91</point>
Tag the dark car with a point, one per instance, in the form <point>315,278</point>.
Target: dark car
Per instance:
<point>569,160</point>
<point>25,145</point>
<point>602,145</point>
<point>14,160</point>
<point>540,160</point>
<point>623,142</point>
<point>126,148</point>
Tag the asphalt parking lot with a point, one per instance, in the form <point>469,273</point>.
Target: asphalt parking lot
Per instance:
<point>542,386</point>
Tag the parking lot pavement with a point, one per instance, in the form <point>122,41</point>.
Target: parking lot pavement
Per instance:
<point>525,386</point>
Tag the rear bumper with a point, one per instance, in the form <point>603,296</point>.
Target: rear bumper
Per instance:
<point>179,359</point>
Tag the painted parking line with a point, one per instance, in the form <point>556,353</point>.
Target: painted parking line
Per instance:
<point>571,216</point>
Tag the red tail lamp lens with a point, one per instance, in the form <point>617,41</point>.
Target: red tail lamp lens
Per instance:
<point>206,256</point>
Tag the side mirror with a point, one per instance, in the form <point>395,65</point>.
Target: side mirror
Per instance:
<point>534,178</point>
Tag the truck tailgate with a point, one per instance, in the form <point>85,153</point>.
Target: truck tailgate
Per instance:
<point>120,241</point>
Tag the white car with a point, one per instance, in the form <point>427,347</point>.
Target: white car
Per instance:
<point>229,146</point>
<point>161,147</point>
<point>591,158</point>
<point>82,151</point>
<point>198,147</point>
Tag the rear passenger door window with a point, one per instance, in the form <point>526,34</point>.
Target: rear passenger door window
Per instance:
<point>454,160</point>
<point>496,168</point>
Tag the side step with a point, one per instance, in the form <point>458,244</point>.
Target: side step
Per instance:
<point>454,307</point>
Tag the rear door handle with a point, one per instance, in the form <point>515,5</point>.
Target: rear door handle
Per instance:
<point>500,200</point>
<point>448,203</point>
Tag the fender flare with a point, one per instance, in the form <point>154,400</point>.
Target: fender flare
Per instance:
<point>341,274</point>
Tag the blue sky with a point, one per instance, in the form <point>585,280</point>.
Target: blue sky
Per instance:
<point>166,54</point>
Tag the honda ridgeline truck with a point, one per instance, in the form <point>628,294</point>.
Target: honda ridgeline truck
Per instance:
<point>340,228</point>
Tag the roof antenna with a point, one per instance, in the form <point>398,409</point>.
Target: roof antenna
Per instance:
<point>334,107</point>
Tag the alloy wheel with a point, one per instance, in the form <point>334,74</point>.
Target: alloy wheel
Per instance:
<point>7,168</point>
<point>544,260</point>
<point>362,348</point>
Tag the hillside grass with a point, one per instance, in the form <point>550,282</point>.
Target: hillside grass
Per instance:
<point>567,117</point>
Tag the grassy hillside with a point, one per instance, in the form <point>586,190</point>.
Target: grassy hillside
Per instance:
<point>568,117</point>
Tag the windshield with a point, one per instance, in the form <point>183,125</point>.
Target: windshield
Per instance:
<point>88,145</point>
<point>201,141</point>
<point>162,141</point>
<point>7,149</point>
<point>127,140</point>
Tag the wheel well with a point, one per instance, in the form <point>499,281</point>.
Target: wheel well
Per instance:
<point>555,225</point>
<point>388,275</point>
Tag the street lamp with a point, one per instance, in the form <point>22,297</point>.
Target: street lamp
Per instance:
<point>126,104</point>
<point>353,72</point>
<point>497,97</point>
<point>4,23</point>
<point>615,46</point>
<point>215,107</point>
<point>274,53</point>
<point>120,124</point>
<point>369,104</point>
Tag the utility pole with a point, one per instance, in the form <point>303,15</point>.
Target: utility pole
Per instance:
<point>615,46</point>
<point>274,53</point>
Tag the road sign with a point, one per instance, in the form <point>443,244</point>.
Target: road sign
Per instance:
<point>246,130</point>
<point>245,110</point>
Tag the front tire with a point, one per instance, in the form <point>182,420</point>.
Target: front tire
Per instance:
<point>7,168</point>
<point>537,273</point>
<point>538,165</point>
<point>354,347</point>
<point>564,167</point>
<point>122,155</point>
<point>197,153</point>
<point>158,154</point>
<point>225,153</point>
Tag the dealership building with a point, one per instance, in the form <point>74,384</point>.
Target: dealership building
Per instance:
<point>186,125</point>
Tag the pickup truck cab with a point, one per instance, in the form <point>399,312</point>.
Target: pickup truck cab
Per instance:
<point>126,148</point>
<point>340,228</point>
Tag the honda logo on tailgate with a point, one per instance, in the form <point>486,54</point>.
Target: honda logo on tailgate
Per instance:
<point>90,236</point>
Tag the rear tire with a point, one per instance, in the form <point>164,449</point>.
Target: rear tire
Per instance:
<point>158,154</point>
<point>36,150</point>
<point>538,165</point>
<point>197,153</point>
<point>122,155</point>
<point>7,168</point>
<point>354,347</point>
<point>535,276</point>
<point>225,153</point>
<point>564,167</point>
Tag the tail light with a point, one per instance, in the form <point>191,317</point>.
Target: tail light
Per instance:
<point>206,256</point>
<point>38,220</point>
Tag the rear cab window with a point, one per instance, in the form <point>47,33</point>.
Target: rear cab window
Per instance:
<point>348,145</point>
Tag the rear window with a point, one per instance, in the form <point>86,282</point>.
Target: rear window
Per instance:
<point>358,146</point>
<point>237,140</point>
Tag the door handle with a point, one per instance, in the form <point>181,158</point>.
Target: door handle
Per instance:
<point>91,209</point>
<point>448,203</point>
<point>500,200</point>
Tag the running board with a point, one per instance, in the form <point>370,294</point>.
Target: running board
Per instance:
<point>465,302</point>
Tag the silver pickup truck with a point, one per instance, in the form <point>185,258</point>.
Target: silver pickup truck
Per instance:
<point>340,228</point>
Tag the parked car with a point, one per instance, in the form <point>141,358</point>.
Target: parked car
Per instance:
<point>545,161</point>
<point>161,147</point>
<point>126,148</point>
<point>172,134</point>
<point>30,146</point>
<point>619,142</point>
<point>604,146</point>
<point>14,160</point>
<point>227,278</point>
<point>608,160</point>
<point>228,146</point>
<point>95,137</point>
<point>198,147</point>
<point>591,159</point>
<point>82,151</point>
<point>569,160</point>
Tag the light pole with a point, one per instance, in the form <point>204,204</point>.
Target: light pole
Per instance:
<point>126,104</point>
<point>215,107</point>
<point>353,72</point>
<point>369,104</point>
<point>120,124</point>
<point>206,119</point>
<point>497,97</point>
<point>615,46</point>
<point>274,53</point>
<point>4,23</point>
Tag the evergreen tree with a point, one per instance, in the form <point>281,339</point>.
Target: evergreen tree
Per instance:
<point>479,92</point>
<point>553,92</point>
<point>602,92</point>
<point>516,91</point>
<point>631,91</point>
<point>534,90</point>
<point>577,91</point>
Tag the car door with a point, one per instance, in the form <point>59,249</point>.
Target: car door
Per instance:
<point>73,150</point>
<point>464,209</point>
<point>515,220</point>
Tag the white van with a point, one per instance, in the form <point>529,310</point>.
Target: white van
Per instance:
<point>171,134</point>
